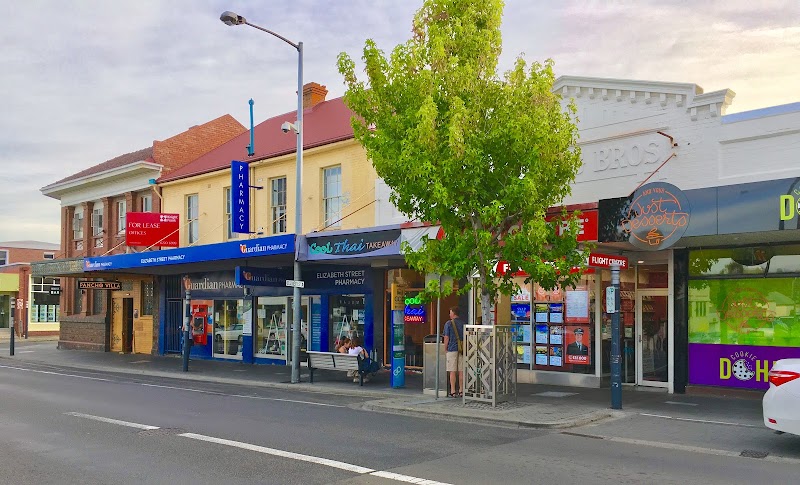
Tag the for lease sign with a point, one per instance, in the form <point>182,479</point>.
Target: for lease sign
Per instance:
<point>152,229</point>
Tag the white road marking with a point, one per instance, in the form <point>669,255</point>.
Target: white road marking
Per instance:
<point>681,403</point>
<point>25,351</point>
<point>284,454</point>
<point>708,421</point>
<point>406,478</point>
<point>201,391</point>
<point>55,373</point>
<point>113,421</point>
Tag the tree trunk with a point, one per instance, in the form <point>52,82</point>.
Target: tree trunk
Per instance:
<point>486,311</point>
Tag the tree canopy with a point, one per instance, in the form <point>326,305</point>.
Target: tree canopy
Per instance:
<point>481,154</point>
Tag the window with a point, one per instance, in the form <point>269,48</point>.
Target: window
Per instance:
<point>44,306</point>
<point>121,210</point>
<point>278,205</point>
<point>228,216</point>
<point>98,299</point>
<point>146,203</point>
<point>3,257</point>
<point>332,196</point>
<point>77,298</point>
<point>77,224</point>
<point>192,218</point>
<point>49,256</point>
<point>148,298</point>
<point>97,220</point>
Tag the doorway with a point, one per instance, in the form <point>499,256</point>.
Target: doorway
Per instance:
<point>652,333</point>
<point>121,324</point>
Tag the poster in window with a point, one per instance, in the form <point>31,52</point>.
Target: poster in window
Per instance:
<point>541,334</point>
<point>521,312</point>
<point>577,306</point>
<point>541,355</point>
<point>578,345</point>
<point>555,356</point>
<point>556,334</point>
<point>523,354</point>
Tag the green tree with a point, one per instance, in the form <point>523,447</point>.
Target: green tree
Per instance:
<point>483,155</point>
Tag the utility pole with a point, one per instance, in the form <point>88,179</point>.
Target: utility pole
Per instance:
<point>187,315</point>
<point>612,307</point>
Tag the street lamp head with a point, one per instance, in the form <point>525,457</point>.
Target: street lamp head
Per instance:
<point>230,18</point>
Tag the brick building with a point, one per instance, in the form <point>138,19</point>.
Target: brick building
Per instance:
<point>34,293</point>
<point>94,204</point>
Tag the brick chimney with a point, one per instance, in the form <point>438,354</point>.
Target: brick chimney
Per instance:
<point>313,94</point>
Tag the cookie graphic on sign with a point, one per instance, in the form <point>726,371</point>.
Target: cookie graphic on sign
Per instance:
<point>742,370</point>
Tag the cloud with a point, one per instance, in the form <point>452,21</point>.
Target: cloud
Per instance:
<point>94,80</point>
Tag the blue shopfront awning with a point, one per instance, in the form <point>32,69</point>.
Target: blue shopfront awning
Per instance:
<point>247,249</point>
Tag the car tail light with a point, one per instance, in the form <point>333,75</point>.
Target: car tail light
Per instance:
<point>772,421</point>
<point>779,377</point>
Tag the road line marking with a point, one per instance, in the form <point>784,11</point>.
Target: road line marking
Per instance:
<point>55,373</point>
<point>262,398</point>
<point>406,478</point>
<point>681,403</point>
<point>113,421</point>
<point>284,454</point>
<point>708,421</point>
<point>25,351</point>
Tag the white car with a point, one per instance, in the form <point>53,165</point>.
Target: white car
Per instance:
<point>782,400</point>
<point>234,332</point>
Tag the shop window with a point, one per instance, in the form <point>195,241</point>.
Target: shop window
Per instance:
<point>230,317</point>
<point>744,261</point>
<point>192,218</point>
<point>278,205</point>
<point>271,331</point>
<point>44,305</point>
<point>77,224</point>
<point>3,257</point>
<point>228,216</point>
<point>47,256</point>
<point>332,196</point>
<point>148,297</point>
<point>346,317</point>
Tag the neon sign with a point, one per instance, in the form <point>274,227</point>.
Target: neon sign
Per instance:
<point>414,311</point>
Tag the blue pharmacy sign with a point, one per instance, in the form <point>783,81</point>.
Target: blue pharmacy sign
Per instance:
<point>240,197</point>
<point>398,350</point>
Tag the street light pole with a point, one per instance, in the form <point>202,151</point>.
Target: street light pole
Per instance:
<point>230,18</point>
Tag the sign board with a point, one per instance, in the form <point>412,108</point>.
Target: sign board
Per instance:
<point>240,197</point>
<point>606,260</point>
<point>55,290</point>
<point>398,296</point>
<point>611,299</point>
<point>657,217</point>
<point>99,285</point>
<point>152,229</point>
<point>588,223</point>
<point>296,283</point>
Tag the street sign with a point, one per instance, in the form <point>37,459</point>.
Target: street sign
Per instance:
<point>99,285</point>
<point>296,283</point>
<point>611,300</point>
<point>607,260</point>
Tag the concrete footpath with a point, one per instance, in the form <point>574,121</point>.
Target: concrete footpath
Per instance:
<point>536,406</point>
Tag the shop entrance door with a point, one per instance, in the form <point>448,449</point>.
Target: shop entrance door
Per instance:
<point>652,333</point>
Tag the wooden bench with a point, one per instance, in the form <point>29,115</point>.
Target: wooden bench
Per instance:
<point>334,361</point>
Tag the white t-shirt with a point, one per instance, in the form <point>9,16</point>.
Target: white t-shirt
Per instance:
<point>356,350</point>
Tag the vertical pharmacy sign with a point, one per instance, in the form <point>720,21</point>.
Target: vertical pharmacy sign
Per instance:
<point>240,197</point>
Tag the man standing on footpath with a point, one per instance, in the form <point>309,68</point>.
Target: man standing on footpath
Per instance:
<point>453,336</point>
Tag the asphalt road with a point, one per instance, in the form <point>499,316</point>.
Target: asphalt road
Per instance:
<point>67,426</point>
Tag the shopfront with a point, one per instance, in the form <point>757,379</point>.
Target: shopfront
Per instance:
<point>735,277</point>
<point>345,277</point>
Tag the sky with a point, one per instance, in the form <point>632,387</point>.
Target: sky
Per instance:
<point>86,81</point>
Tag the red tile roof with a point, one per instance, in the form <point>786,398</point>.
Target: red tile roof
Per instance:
<point>175,151</point>
<point>325,123</point>
<point>145,154</point>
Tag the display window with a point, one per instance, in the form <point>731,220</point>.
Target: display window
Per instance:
<point>271,329</point>
<point>740,325</point>
<point>346,319</point>
<point>230,319</point>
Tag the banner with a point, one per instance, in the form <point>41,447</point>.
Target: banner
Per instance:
<point>578,345</point>
<point>240,197</point>
<point>730,365</point>
<point>152,229</point>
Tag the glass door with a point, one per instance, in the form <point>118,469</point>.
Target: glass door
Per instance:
<point>652,338</point>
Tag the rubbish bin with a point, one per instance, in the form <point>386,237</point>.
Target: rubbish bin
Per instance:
<point>429,365</point>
